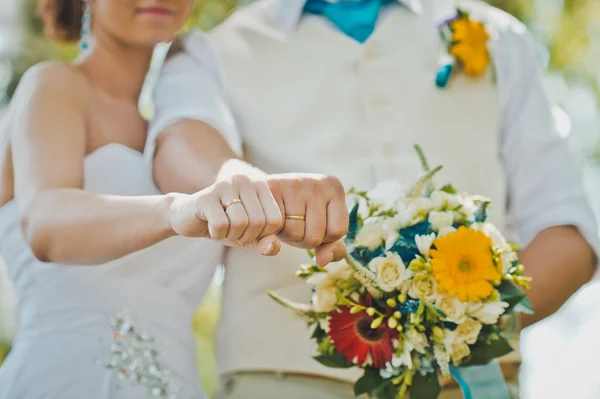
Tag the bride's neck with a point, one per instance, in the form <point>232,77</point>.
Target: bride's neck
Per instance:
<point>117,69</point>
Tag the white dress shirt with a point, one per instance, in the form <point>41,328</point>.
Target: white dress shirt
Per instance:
<point>303,97</point>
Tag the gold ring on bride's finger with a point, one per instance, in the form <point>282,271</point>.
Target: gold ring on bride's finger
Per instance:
<point>232,202</point>
<point>294,217</point>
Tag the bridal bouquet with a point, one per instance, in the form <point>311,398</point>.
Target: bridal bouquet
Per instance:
<point>421,291</point>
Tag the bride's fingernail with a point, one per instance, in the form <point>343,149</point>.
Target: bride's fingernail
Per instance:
<point>269,249</point>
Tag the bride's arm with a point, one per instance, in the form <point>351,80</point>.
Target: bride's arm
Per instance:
<point>65,224</point>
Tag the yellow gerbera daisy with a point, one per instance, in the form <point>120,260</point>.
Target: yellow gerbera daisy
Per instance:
<point>462,264</point>
<point>469,46</point>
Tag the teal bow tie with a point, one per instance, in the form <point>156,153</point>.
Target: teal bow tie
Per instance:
<point>356,18</point>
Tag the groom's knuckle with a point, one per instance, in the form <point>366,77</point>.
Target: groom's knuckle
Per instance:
<point>295,236</point>
<point>312,241</point>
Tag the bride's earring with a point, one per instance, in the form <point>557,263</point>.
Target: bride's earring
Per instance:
<point>86,28</point>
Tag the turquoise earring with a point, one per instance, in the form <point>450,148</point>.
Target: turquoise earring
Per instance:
<point>86,28</point>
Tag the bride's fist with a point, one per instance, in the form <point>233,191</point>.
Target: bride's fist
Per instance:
<point>238,211</point>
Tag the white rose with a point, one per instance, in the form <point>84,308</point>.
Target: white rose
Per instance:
<point>468,331</point>
<point>487,313</point>
<point>424,244</point>
<point>426,289</point>
<point>446,230</point>
<point>390,271</point>
<point>453,308</point>
<point>371,235</point>
<point>440,220</point>
<point>325,298</point>
<point>492,232</point>
<point>387,193</point>
<point>458,351</point>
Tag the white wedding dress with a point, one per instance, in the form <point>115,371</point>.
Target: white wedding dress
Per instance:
<point>69,328</point>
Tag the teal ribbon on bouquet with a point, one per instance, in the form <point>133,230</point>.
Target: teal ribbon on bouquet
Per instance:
<point>481,382</point>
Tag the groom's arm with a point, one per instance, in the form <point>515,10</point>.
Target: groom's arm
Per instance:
<point>546,192</point>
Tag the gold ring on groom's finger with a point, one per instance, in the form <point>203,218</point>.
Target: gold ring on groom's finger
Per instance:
<point>232,202</point>
<point>295,217</point>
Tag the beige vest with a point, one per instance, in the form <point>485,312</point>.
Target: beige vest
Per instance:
<point>320,102</point>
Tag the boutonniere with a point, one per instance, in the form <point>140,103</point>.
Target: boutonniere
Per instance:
<point>466,48</point>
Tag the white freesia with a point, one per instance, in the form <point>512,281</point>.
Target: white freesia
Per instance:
<point>487,313</point>
<point>492,232</point>
<point>468,330</point>
<point>424,289</point>
<point>444,200</point>
<point>446,230</point>
<point>326,285</point>
<point>353,199</point>
<point>440,220</point>
<point>390,271</point>
<point>339,270</point>
<point>417,340</point>
<point>453,308</point>
<point>405,359</point>
<point>372,234</point>
<point>387,194</point>
<point>458,351</point>
<point>468,207</point>
<point>420,206</point>
<point>507,259</point>
<point>424,244</point>
<point>392,226</point>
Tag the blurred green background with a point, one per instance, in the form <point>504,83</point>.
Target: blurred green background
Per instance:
<point>568,32</point>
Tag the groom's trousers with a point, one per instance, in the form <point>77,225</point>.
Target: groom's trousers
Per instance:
<point>266,385</point>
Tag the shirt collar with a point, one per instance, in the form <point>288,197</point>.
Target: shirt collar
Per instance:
<point>289,12</point>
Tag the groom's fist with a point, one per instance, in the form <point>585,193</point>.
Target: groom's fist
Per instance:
<point>314,210</point>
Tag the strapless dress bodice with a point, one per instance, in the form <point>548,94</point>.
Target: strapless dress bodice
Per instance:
<point>64,310</point>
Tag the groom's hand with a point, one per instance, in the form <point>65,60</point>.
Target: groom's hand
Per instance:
<point>315,212</point>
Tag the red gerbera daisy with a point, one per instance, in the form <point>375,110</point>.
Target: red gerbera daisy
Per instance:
<point>354,338</point>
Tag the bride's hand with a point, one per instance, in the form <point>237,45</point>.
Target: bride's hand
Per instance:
<point>239,211</point>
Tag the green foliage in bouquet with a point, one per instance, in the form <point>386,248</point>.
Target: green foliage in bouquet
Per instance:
<point>422,289</point>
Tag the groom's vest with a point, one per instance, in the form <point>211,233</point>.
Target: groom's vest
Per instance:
<point>319,102</point>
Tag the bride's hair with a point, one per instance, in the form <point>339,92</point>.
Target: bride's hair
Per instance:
<point>61,18</point>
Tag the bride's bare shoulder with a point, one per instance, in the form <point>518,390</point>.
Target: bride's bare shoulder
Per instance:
<point>65,81</point>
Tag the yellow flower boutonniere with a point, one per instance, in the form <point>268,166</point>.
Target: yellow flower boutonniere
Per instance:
<point>466,41</point>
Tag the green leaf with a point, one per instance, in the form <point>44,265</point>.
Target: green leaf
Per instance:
<point>319,333</point>
<point>515,297</point>
<point>425,386</point>
<point>420,185</point>
<point>308,270</point>
<point>300,310</point>
<point>448,188</point>
<point>387,390</point>
<point>368,383</point>
<point>482,211</point>
<point>334,360</point>
<point>482,353</point>
<point>422,158</point>
<point>353,225</point>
